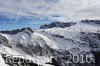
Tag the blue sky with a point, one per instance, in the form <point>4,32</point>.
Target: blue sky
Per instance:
<point>10,24</point>
<point>22,13</point>
<point>26,13</point>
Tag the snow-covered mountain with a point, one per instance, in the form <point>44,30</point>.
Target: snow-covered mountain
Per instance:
<point>77,45</point>
<point>57,24</point>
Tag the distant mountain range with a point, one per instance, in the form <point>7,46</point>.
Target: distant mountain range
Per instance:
<point>57,24</point>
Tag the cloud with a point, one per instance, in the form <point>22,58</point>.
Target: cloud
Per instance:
<point>65,9</point>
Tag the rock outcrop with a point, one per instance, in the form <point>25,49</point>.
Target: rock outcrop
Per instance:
<point>57,24</point>
<point>16,31</point>
<point>91,21</point>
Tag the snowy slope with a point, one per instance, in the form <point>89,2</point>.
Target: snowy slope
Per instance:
<point>44,45</point>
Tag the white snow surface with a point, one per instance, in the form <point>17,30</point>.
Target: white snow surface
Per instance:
<point>69,42</point>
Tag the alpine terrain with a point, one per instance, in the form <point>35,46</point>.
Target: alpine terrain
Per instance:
<point>55,44</point>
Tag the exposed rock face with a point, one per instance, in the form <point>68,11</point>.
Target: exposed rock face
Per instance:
<point>4,41</point>
<point>57,24</point>
<point>93,39</point>
<point>91,21</point>
<point>16,31</point>
<point>97,57</point>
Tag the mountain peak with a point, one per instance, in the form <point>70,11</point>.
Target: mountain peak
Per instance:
<point>16,31</point>
<point>91,21</point>
<point>57,24</point>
